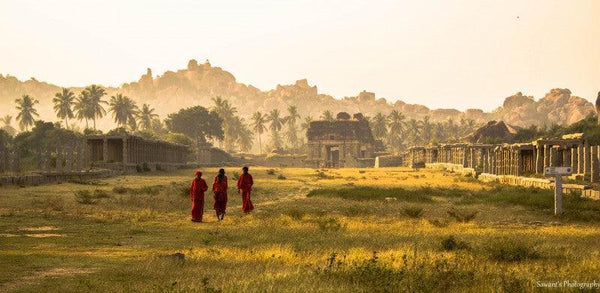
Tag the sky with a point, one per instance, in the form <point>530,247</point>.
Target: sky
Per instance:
<point>442,54</point>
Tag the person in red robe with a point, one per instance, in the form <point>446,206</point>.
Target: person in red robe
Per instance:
<point>197,195</point>
<point>220,197</point>
<point>244,184</point>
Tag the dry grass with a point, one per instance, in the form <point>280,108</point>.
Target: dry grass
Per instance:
<point>360,230</point>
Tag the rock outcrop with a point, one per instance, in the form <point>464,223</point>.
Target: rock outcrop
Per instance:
<point>492,132</point>
<point>198,83</point>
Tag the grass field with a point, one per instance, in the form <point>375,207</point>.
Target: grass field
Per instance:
<point>312,230</point>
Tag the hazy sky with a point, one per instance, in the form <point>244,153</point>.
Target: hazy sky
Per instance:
<point>443,54</point>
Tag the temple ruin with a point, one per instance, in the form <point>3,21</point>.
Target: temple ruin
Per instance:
<point>344,142</point>
<point>130,153</point>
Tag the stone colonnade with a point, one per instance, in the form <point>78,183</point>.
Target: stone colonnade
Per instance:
<point>518,159</point>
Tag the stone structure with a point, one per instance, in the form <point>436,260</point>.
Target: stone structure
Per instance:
<point>519,159</point>
<point>129,153</point>
<point>340,143</point>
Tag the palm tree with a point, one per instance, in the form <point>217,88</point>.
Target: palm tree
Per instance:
<point>380,122</point>
<point>414,131</point>
<point>146,115</point>
<point>63,103</point>
<point>258,125</point>
<point>275,125</point>
<point>228,114</point>
<point>96,93</point>
<point>243,135</point>
<point>397,127</point>
<point>124,110</point>
<point>290,120</point>
<point>82,108</point>
<point>427,129</point>
<point>7,120</point>
<point>25,105</point>
<point>327,115</point>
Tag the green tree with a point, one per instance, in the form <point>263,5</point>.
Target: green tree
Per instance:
<point>7,120</point>
<point>243,135</point>
<point>426,129</point>
<point>27,112</point>
<point>197,123</point>
<point>96,93</point>
<point>228,114</point>
<point>306,124</point>
<point>327,115</point>
<point>397,128</point>
<point>292,129</point>
<point>380,123</point>
<point>413,132</point>
<point>146,115</point>
<point>275,125</point>
<point>124,110</point>
<point>63,104</point>
<point>82,108</point>
<point>259,122</point>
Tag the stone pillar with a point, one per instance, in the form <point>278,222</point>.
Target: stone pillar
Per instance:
<point>79,157</point>
<point>587,158</point>
<point>69,159</point>
<point>594,164</point>
<point>125,152</point>
<point>519,168</point>
<point>574,165</point>
<point>59,160</point>
<point>539,166</point>
<point>580,159</point>
<point>105,150</point>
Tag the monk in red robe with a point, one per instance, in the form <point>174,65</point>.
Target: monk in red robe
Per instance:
<point>197,195</point>
<point>220,197</point>
<point>244,184</point>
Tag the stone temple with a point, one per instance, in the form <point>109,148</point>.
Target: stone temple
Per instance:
<point>344,142</point>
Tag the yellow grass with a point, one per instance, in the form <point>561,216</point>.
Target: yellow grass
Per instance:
<point>290,243</point>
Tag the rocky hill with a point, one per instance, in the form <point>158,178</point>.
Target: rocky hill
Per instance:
<point>198,83</point>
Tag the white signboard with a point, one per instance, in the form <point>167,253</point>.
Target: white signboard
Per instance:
<point>554,171</point>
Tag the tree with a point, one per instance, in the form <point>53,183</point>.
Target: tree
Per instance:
<point>146,115</point>
<point>414,131</point>
<point>397,127</point>
<point>63,103</point>
<point>327,115</point>
<point>380,122</point>
<point>306,124</point>
<point>82,108</point>
<point>426,129</point>
<point>275,125</point>
<point>197,123</point>
<point>27,112</point>
<point>228,114</point>
<point>243,135</point>
<point>96,93</point>
<point>258,125</point>
<point>290,120</point>
<point>124,110</point>
<point>7,120</point>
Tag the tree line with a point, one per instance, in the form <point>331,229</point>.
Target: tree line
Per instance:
<point>221,124</point>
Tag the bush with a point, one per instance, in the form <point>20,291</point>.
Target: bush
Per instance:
<point>413,212</point>
<point>450,243</point>
<point>329,224</point>
<point>236,175</point>
<point>84,197</point>
<point>271,172</point>
<point>462,216</point>
<point>281,177</point>
<point>295,214</point>
<point>120,189</point>
<point>145,167</point>
<point>99,193</point>
<point>322,175</point>
<point>511,250</point>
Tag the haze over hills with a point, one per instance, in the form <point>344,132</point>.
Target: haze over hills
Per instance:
<point>199,83</point>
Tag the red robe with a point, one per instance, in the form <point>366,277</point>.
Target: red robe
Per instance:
<point>220,197</point>
<point>197,195</point>
<point>244,184</point>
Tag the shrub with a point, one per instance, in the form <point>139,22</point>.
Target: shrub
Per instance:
<point>372,193</point>
<point>120,189</point>
<point>145,167</point>
<point>55,203</point>
<point>322,175</point>
<point>84,197</point>
<point>329,224</point>
<point>271,172</point>
<point>281,177</point>
<point>99,193</point>
<point>462,216</point>
<point>139,169</point>
<point>413,212</point>
<point>361,171</point>
<point>511,250</point>
<point>295,213</point>
<point>438,223</point>
<point>450,243</point>
<point>236,175</point>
